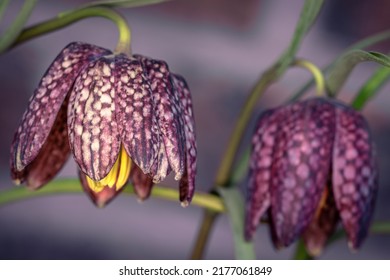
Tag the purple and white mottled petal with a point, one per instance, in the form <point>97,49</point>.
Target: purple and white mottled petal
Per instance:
<point>93,131</point>
<point>102,198</point>
<point>142,183</point>
<point>161,167</point>
<point>47,99</point>
<point>51,157</point>
<point>169,112</point>
<point>187,182</point>
<point>258,196</point>
<point>355,176</point>
<point>300,166</point>
<point>137,122</point>
<point>323,224</point>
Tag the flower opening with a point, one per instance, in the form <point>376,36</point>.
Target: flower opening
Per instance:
<point>117,177</point>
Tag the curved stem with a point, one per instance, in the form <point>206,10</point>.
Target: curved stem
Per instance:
<point>226,175</point>
<point>315,71</point>
<point>68,18</point>
<point>372,40</point>
<point>308,14</point>
<point>69,186</point>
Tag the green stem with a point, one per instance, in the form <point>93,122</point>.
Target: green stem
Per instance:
<point>68,18</point>
<point>223,177</point>
<point>72,186</point>
<point>13,31</point>
<point>315,71</point>
<point>203,235</point>
<point>308,15</point>
<point>372,40</point>
<point>224,171</point>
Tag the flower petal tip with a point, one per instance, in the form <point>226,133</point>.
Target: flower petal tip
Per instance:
<point>100,204</point>
<point>315,251</point>
<point>17,182</point>
<point>352,247</point>
<point>185,203</point>
<point>178,176</point>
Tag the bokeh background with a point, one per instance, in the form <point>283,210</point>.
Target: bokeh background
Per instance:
<point>221,47</point>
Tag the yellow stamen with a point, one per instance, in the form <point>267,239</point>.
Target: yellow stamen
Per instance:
<point>94,185</point>
<point>117,176</point>
<point>124,171</point>
<point>110,180</point>
<point>322,204</point>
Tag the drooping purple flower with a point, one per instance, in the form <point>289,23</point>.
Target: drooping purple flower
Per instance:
<point>312,164</point>
<point>121,116</point>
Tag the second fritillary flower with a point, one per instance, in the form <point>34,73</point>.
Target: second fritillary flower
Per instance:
<point>312,165</point>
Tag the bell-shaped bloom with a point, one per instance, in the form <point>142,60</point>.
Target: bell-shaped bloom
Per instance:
<point>312,164</point>
<point>120,116</point>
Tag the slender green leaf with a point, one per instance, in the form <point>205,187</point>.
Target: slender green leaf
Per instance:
<point>307,17</point>
<point>306,20</point>
<point>124,3</point>
<point>3,8</point>
<point>234,204</point>
<point>371,87</point>
<point>241,167</point>
<point>365,43</point>
<point>344,66</point>
<point>16,27</point>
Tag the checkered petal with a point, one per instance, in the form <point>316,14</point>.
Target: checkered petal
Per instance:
<point>258,197</point>
<point>45,103</point>
<point>93,130</point>
<point>187,182</point>
<point>355,175</point>
<point>137,122</point>
<point>51,157</point>
<point>142,183</point>
<point>169,112</point>
<point>323,224</point>
<point>300,166</point>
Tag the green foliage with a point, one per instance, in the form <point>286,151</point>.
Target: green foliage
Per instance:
<point>235,206</point>
<point>9,36</point>
<point>371,87</point>
<point>365,43</point>
<point>344,66</point>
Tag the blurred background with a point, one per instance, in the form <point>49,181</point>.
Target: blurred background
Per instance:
<point>221,47</point>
